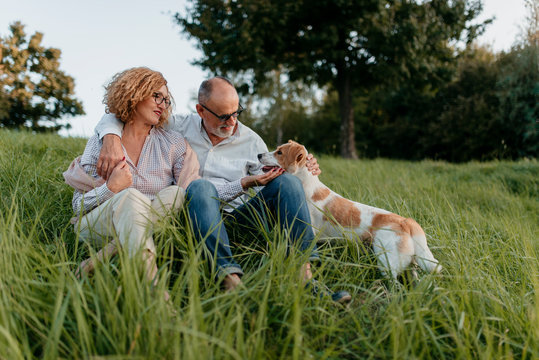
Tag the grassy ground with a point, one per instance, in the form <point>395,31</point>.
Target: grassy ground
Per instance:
<point>481,220</point>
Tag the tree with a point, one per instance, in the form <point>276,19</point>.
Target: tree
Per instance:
<point>278,105</point>
<point>467,124</point>
<point>518,91</point>
<point>34,92</point>
<point>491,110</point>
<point>350,44</point>
<point>488,111</point>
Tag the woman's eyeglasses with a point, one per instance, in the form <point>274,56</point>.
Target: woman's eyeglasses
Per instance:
<point>159,98</point>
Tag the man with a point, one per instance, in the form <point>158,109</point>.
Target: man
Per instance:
<point>227,152</point>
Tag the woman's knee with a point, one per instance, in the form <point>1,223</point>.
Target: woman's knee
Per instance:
<point>171,194</point>
<point>133,198</point>
<point>170,198</point>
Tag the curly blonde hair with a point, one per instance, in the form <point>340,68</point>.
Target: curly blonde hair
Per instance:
<point>131,86</point>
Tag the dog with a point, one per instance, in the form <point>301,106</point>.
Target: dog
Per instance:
<point>396,241</point>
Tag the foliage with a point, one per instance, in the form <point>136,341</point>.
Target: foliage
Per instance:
<point>481,221</point>
<point>467,125</point>
<point>279,108</point>
<point>518,92</point>
<point>518,89</point>
<point>34,92</point>
<point>489,110</point>
<point>349,44</point>
<point>455,121</point>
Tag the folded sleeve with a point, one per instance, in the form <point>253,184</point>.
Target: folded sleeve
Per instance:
<point>230,190</point>
<point>187,168</point>
<point>91,199</point>
<point>85,202</point>
<point>109,124</point>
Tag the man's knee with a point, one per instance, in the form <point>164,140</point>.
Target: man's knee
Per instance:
<point>201,187</point>
<point>201,195</point>
<point>288,183</point>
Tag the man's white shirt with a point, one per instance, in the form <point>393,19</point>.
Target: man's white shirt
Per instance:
<point>223,164</point>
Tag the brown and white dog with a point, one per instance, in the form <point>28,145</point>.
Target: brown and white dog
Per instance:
<point>396,241</point>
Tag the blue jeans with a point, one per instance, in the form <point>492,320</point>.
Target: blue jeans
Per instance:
<point>283,198</point>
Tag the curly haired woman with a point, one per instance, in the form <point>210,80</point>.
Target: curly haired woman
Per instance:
<point>158,165</point>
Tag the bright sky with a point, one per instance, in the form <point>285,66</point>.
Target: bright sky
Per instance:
<point>99,38</point>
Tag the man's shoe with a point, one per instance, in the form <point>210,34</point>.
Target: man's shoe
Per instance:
<point>340,297</point>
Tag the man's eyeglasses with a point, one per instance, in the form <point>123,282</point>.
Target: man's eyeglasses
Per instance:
<point>159,98</point>
<point>225,117</point>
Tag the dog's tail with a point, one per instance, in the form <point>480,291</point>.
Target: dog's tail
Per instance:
<point>423,255</point>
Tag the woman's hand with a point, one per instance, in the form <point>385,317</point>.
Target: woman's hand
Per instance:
<point>312,165</point>
<point>120,178</point>
<point>260,180</point>
<point>111,154</point>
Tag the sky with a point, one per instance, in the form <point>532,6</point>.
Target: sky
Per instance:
<point>99,38</point>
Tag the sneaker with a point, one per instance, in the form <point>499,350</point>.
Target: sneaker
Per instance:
<point>340,297</point>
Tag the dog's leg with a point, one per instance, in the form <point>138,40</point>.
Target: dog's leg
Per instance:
<point>423,255</point>
<point>394,251</point>
<point>384,249</point>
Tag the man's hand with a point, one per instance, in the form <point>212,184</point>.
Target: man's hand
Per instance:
<point>260,180</point>
<point>120,178</point>
<point>111,154</point>
<point>312,165</point>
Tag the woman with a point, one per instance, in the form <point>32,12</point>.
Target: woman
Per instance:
<point>157,166</point>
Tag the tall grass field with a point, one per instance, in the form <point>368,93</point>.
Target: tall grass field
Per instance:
<point>481,220</point>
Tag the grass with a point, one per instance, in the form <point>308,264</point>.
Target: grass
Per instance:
<point>481,220</point>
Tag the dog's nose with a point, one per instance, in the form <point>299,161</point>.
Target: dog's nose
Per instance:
<point>259,156</point>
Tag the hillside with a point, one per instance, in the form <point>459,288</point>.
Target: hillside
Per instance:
<point>481,221</point>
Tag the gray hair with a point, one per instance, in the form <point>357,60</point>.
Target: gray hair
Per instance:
<point>205,89</point>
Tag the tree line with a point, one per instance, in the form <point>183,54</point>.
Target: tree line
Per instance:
<point>390,78</point>
<point>489,110</point>
<point>402,79</point>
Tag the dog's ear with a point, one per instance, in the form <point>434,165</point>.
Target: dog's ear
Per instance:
<point>295,157</point>
<point>301,155</point>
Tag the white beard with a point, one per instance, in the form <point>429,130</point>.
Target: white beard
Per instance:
<point>220,132</point>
